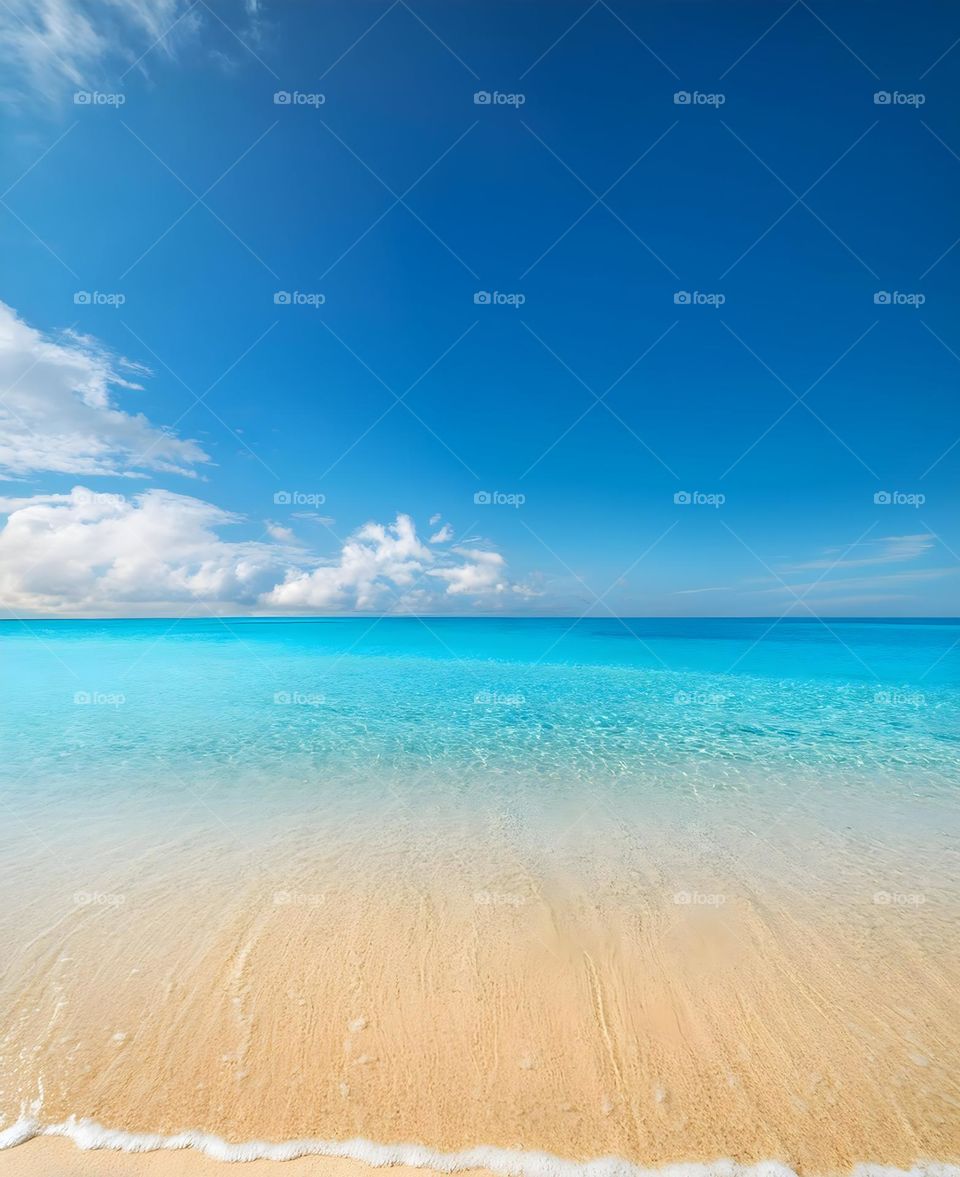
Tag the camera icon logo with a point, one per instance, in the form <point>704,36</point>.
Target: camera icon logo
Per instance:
<point>483,498</point>
<point>682,498</point>
<point>482,298</point>
<point>282,498</point>
<point>281,697</point>
<point>282,98</point>
<point>282,298</point>
<point>82,697</point>
<point>883,498</point>
<point>882,298</point>
<point>882,98</point>
<point>82,98</point>
<point>682,298</point>
<point>681,98</point>
<point>482,98</point>
<point>82,298</point>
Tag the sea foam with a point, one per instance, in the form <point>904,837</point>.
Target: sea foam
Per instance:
<point>87,1134</point>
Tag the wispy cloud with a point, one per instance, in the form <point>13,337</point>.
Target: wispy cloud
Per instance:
<point>714,588</point>
<point>50,45</point>
<point>890,549</point>
<point>880,581</point>
<point>59,410</point>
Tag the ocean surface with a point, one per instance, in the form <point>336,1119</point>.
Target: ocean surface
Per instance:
<point>111,704</point>
<point>167,777</point>
<point>264,716</point>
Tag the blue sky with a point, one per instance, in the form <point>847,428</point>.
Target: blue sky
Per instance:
<point>688,300</point>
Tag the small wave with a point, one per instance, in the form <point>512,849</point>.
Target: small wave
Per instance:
<point>86,1134</point>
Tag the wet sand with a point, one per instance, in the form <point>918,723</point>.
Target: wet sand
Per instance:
<point>632,1019</point>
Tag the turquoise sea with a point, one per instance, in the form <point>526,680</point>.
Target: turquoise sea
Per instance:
<point>550,697</point>
<point>272,717</point>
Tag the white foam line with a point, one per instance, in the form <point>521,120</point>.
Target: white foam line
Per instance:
<point>86,1134</point>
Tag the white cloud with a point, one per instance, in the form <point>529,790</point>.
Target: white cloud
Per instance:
<point>88,554</point>
<point>879,581</point>
<point>58,414</point>
<point>314,517</point>
<point>890,549</point>
<point>48,45</point>
<point>481,572</point>
<point>388,568</point>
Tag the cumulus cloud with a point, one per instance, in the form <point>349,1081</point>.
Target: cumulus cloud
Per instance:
<point>374,558</point>
<point>88,554</point>
<point>91,554</point>
<point>58,412</point>
<point>388,567</point>
<point>480,572</point>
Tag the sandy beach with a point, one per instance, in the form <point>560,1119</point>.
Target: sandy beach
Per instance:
<point>602,925</point>
<point>640,1026</point>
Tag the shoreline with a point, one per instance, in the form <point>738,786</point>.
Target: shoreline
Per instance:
<point>83,1148</point>
<point>658,1031</point>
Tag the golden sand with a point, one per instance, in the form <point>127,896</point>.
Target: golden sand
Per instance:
<point>631,1020</point>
